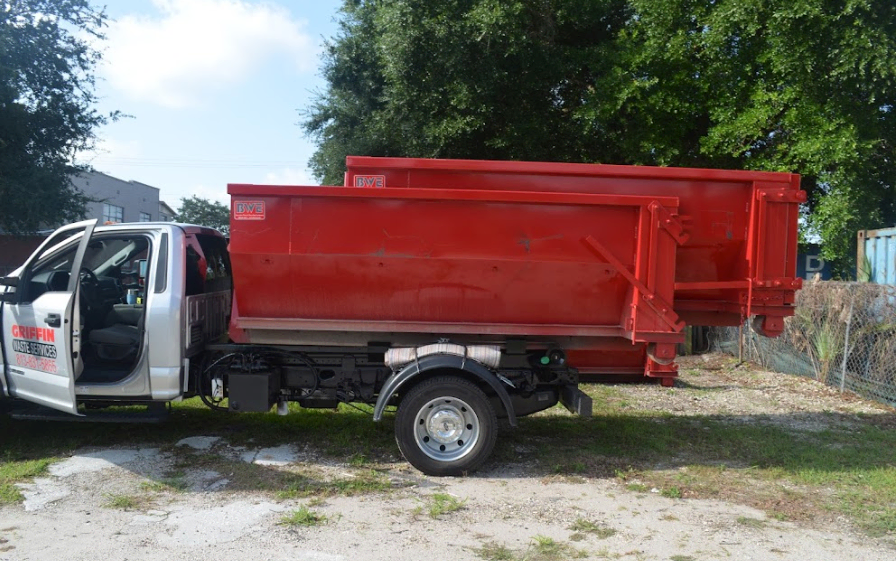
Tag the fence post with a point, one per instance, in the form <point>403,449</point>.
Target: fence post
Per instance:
<point>846,344</point>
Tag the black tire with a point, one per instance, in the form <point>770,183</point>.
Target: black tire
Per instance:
<point>462,410</point>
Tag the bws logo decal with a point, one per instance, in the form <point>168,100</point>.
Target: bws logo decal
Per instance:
<point>248,210</point>
<point>376,181</point>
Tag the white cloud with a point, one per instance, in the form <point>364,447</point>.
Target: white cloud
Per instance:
<point>194,48</point>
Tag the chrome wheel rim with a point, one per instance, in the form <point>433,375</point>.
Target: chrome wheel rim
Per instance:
<point>446,429</point>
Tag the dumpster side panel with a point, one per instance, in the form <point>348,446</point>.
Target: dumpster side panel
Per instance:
<point>734,243</point>
<point>331,257</point>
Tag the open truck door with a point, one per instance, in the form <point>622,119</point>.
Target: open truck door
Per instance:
<point>41,322</point>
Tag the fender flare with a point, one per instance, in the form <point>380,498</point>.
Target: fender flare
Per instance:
<point>424,364</point>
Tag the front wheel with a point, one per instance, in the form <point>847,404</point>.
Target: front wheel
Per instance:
<point>446,426</point>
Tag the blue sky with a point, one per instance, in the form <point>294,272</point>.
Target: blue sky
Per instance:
<point>214,88</point>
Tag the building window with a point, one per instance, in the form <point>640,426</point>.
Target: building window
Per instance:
<point>112,213</point>
<point>145,217</point>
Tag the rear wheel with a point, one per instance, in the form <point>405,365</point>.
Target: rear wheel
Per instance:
<point>446,426</point>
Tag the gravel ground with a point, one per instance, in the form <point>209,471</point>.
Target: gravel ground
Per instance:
<point>504,510</point>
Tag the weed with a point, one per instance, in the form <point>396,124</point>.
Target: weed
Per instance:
<point>173,482</point>
<point>750,522</point>
<point>637,487</point>
<point>303,517</point>
<point>547,549</point>
<point>682,558</point>
<point>546,546</point>
<point>491,551</point>
<point>369,481</point>
<point>307,484</point>
<point>583,526</point>
<point>442,503</point>
<point>577,467</point>
<point>176,481</point>
<point>671,492</point>
<point>358,460</point>
<point>123,502</point>
<point>153,486</point>
<point>623,475</point>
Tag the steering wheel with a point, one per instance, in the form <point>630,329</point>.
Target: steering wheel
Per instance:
<point>89,284</point>
<point>88,277</point>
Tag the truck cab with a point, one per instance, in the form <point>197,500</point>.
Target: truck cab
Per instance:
<point>112,314</point>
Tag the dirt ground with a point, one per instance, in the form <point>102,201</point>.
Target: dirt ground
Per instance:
<point>504,512</point>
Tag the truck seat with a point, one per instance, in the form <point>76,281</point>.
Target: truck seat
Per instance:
<point>117,342</point>
<point>120,339</point>
<point>128,314</point>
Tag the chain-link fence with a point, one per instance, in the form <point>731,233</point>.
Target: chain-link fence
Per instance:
<point>843,334</point>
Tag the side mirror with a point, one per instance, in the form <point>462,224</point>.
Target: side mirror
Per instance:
<point>9,297</point>
<point>9,281</point>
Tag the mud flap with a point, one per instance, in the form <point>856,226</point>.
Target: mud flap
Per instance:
<point>576,401</point>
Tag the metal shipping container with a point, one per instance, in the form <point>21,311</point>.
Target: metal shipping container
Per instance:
<point>876,261</point>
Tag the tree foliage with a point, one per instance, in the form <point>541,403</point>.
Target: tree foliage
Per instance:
<point>204,212</point>
<point>804,86</point>
<point>46,108</point>
<point>491,79</point>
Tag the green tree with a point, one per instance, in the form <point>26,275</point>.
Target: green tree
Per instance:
<point>204,212</point>
<point>805,86</point>
<point>493,79</point>
<point>46,108</point>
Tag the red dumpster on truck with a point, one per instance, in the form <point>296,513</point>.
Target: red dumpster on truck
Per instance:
<point>605,263</point>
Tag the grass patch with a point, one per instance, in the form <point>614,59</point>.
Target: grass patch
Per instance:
<point>317,501</point>
<point>542,548</point>
<point>153,486</point>
<point>671,492</point>
<point>13,471</point>
<point>751,522</point>
<point>358,460</point>
<point>308,484</point>
<point>583,526</point>
<point>303,517</point>
<point>574,468</point>
<point>173,482</point>
<point>547,549</point>
<point>440,504</point>
<point>492,551</point>
<point>123,502</point>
